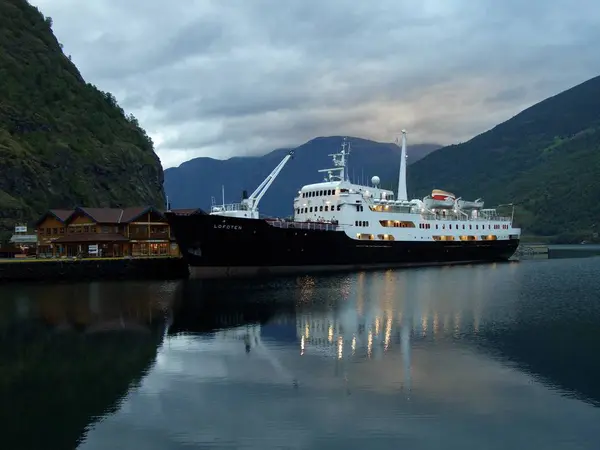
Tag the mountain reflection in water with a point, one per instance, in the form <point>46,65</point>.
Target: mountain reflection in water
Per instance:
<point>495,356</point>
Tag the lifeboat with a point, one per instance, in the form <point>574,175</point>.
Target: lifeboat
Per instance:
<point>467,205</point>
<point>438,194</point>
<point>439,200</point>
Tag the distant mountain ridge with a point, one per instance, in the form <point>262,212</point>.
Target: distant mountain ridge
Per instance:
<point>194,182</point>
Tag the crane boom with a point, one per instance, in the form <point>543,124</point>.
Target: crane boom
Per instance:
<point>248,208</point>
<point>255,197</point>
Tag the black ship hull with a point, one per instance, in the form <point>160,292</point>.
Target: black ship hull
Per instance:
<point>217,246</point>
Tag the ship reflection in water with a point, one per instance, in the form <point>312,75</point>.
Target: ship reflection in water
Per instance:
<point>487,356</point>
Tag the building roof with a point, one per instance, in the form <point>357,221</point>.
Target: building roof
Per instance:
<point>91,238</point>
<point>117,215</point>
<point>101,215</point>
<point>61,215</point>
<point>23,238</point>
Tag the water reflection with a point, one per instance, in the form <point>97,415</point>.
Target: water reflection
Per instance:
<point>493,356</point>
<point>69,355</point>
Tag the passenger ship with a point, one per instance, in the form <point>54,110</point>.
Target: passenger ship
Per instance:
<point>340,225</point>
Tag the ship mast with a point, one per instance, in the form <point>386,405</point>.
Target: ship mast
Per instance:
<point>340,160</point>
<point>402,194</point>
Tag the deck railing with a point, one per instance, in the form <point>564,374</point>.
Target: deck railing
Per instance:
<point>304,225</point>
<point>452,217</point>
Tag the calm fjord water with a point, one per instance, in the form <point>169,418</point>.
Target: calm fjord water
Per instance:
<point>487,356</point>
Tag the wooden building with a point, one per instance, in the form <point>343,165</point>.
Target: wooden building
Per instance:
<point>105,232</point>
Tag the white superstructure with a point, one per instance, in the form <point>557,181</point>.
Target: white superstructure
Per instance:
<point>372,213</point>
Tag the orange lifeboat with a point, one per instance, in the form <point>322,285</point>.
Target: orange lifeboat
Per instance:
<point>438,194</point>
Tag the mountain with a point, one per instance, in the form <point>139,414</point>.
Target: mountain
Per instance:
<point>194,182</point>
<point>63,142</point>
<point>545,159</point>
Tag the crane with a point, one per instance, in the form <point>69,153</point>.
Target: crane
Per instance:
<point>248,208</point>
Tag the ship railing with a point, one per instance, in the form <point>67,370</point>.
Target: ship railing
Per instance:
<point>228,207</point>
<point>461,218</point>
<point>304,225</point>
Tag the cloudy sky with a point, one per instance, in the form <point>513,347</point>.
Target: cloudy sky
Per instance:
<point>236,77</point>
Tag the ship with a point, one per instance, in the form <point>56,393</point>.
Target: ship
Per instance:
<point>341,225</point>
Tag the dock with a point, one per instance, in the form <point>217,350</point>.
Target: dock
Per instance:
<point>92,269</point>
<point>532,251</point>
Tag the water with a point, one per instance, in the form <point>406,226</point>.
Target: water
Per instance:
<point>487,356</point>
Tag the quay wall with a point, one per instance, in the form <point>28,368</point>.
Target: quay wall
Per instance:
<point>160,268</point>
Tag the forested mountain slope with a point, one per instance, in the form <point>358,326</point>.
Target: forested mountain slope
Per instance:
<point>63,142</point>
<point>546,159</point>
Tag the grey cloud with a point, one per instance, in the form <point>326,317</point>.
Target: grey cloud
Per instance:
<point>212,78</point>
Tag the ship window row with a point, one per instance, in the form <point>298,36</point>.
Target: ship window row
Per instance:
<point>371,237</point>
<point>457,227</point>
<point>361,223</point>
<point>325,208</point>
<point>397,223</point>
<point>466,238</point>
<point>425,226</point>
<point>359,208</point>
<point>318,193</point>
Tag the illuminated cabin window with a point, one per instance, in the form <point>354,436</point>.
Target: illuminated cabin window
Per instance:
<point>386,237</point>
<point>443,238</point>
<point>489,237</point>
<point>397,223</point>
<point>380,208</point>
<point>365,236</point>
<point>468,238</point>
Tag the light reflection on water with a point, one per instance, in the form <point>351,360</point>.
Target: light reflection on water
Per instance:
<point>493,356</point>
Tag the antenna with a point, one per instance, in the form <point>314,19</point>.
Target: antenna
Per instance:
<point>402,195</point>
